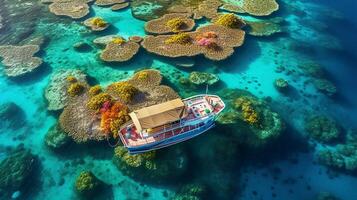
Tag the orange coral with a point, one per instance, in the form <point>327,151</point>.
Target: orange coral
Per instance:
<point>113,118</point>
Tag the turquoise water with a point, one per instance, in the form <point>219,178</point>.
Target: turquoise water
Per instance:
<point>315,31</point>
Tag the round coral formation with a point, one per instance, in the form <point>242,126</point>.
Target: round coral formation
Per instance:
<point>118,40</point>
<point>229,20</point>
<point>245,104</point>
<point>94,90</point>
<point>56,138</point>
<point>96,102</point>
<point>113,117</point>
<point>203,78</point>
<point>96,23</point>
<point>123,90</point>
<point>87,183</point>
<point>323,129</point>
<point>75,89</point>
<point>281,84</point>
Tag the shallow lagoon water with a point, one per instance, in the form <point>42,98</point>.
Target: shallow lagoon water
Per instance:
<point>252,67</point>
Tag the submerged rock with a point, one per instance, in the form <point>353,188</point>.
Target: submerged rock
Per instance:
<point>254,123</point>
<point>15,171</point>
<point>56,137</point>
<point>151,166</point>
<point>325,86</point>
<point>203,78</point>
<point>11,115</point>
<point>323,129</point>
<point>281,84</point>
<point>82,47</point>
<point>19,60</point>
<point>56,90</point>
<point>191,192</point>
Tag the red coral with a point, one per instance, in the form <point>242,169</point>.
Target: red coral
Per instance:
<point>113,116</point>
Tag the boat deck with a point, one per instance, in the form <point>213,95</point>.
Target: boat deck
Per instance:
<point>197,107</point>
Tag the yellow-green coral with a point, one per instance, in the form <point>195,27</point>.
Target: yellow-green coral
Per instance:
<point>180,38</point>
<point>75,89</point>
<point>86,182</point>
<point>94,90</point>
<point>137,160</point>
<point>118,40</point>
<point>96,102</point>
<point>142,75</point>
<point>175,24</point>
<point>250,115</point>
<point>124,90</point>
<point>229,20</point>
<point>71,79</point>
<point>99,22</point>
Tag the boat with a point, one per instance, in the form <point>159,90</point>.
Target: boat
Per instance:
<point>169,123</point>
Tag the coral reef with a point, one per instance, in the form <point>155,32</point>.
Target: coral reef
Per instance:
<point>252,7</point>
<point>75,89</point>
<point>258,125</point>
<point>263,28</point>
<point>75,9</point>
<point>56,138</point>
<point>249,113</point>
<point>119,52</point>
<point>56,90</point>
<point>203,78</point>
<point>260,7</point>
<point>96,102</point>
<point>147,9</point>
<point>113,117</point>
<point>124,90</point>
<point>94,116</point>
<point>199,9</point>
<point>15,172</point>
<point>227,39</point>
<point>229,20</point>
<point>325,86</point>
<point>19,60</point>
<point>103,41</point>
<point>281,84</point>
<point>108,2</point>
<point>136,39</point>
<point>343,156</point>
<point>322,128</point>
<point>96,24</point>
<point>180,38</point>
<point>151,166</point>
<point>79,121</point>
<point>119,6</point>
<point>118,40</point>
<point>94,90</point>
<point>326,196</point>
<point>87,183</point>
<point>191,191</point>
<point>170,23</point>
